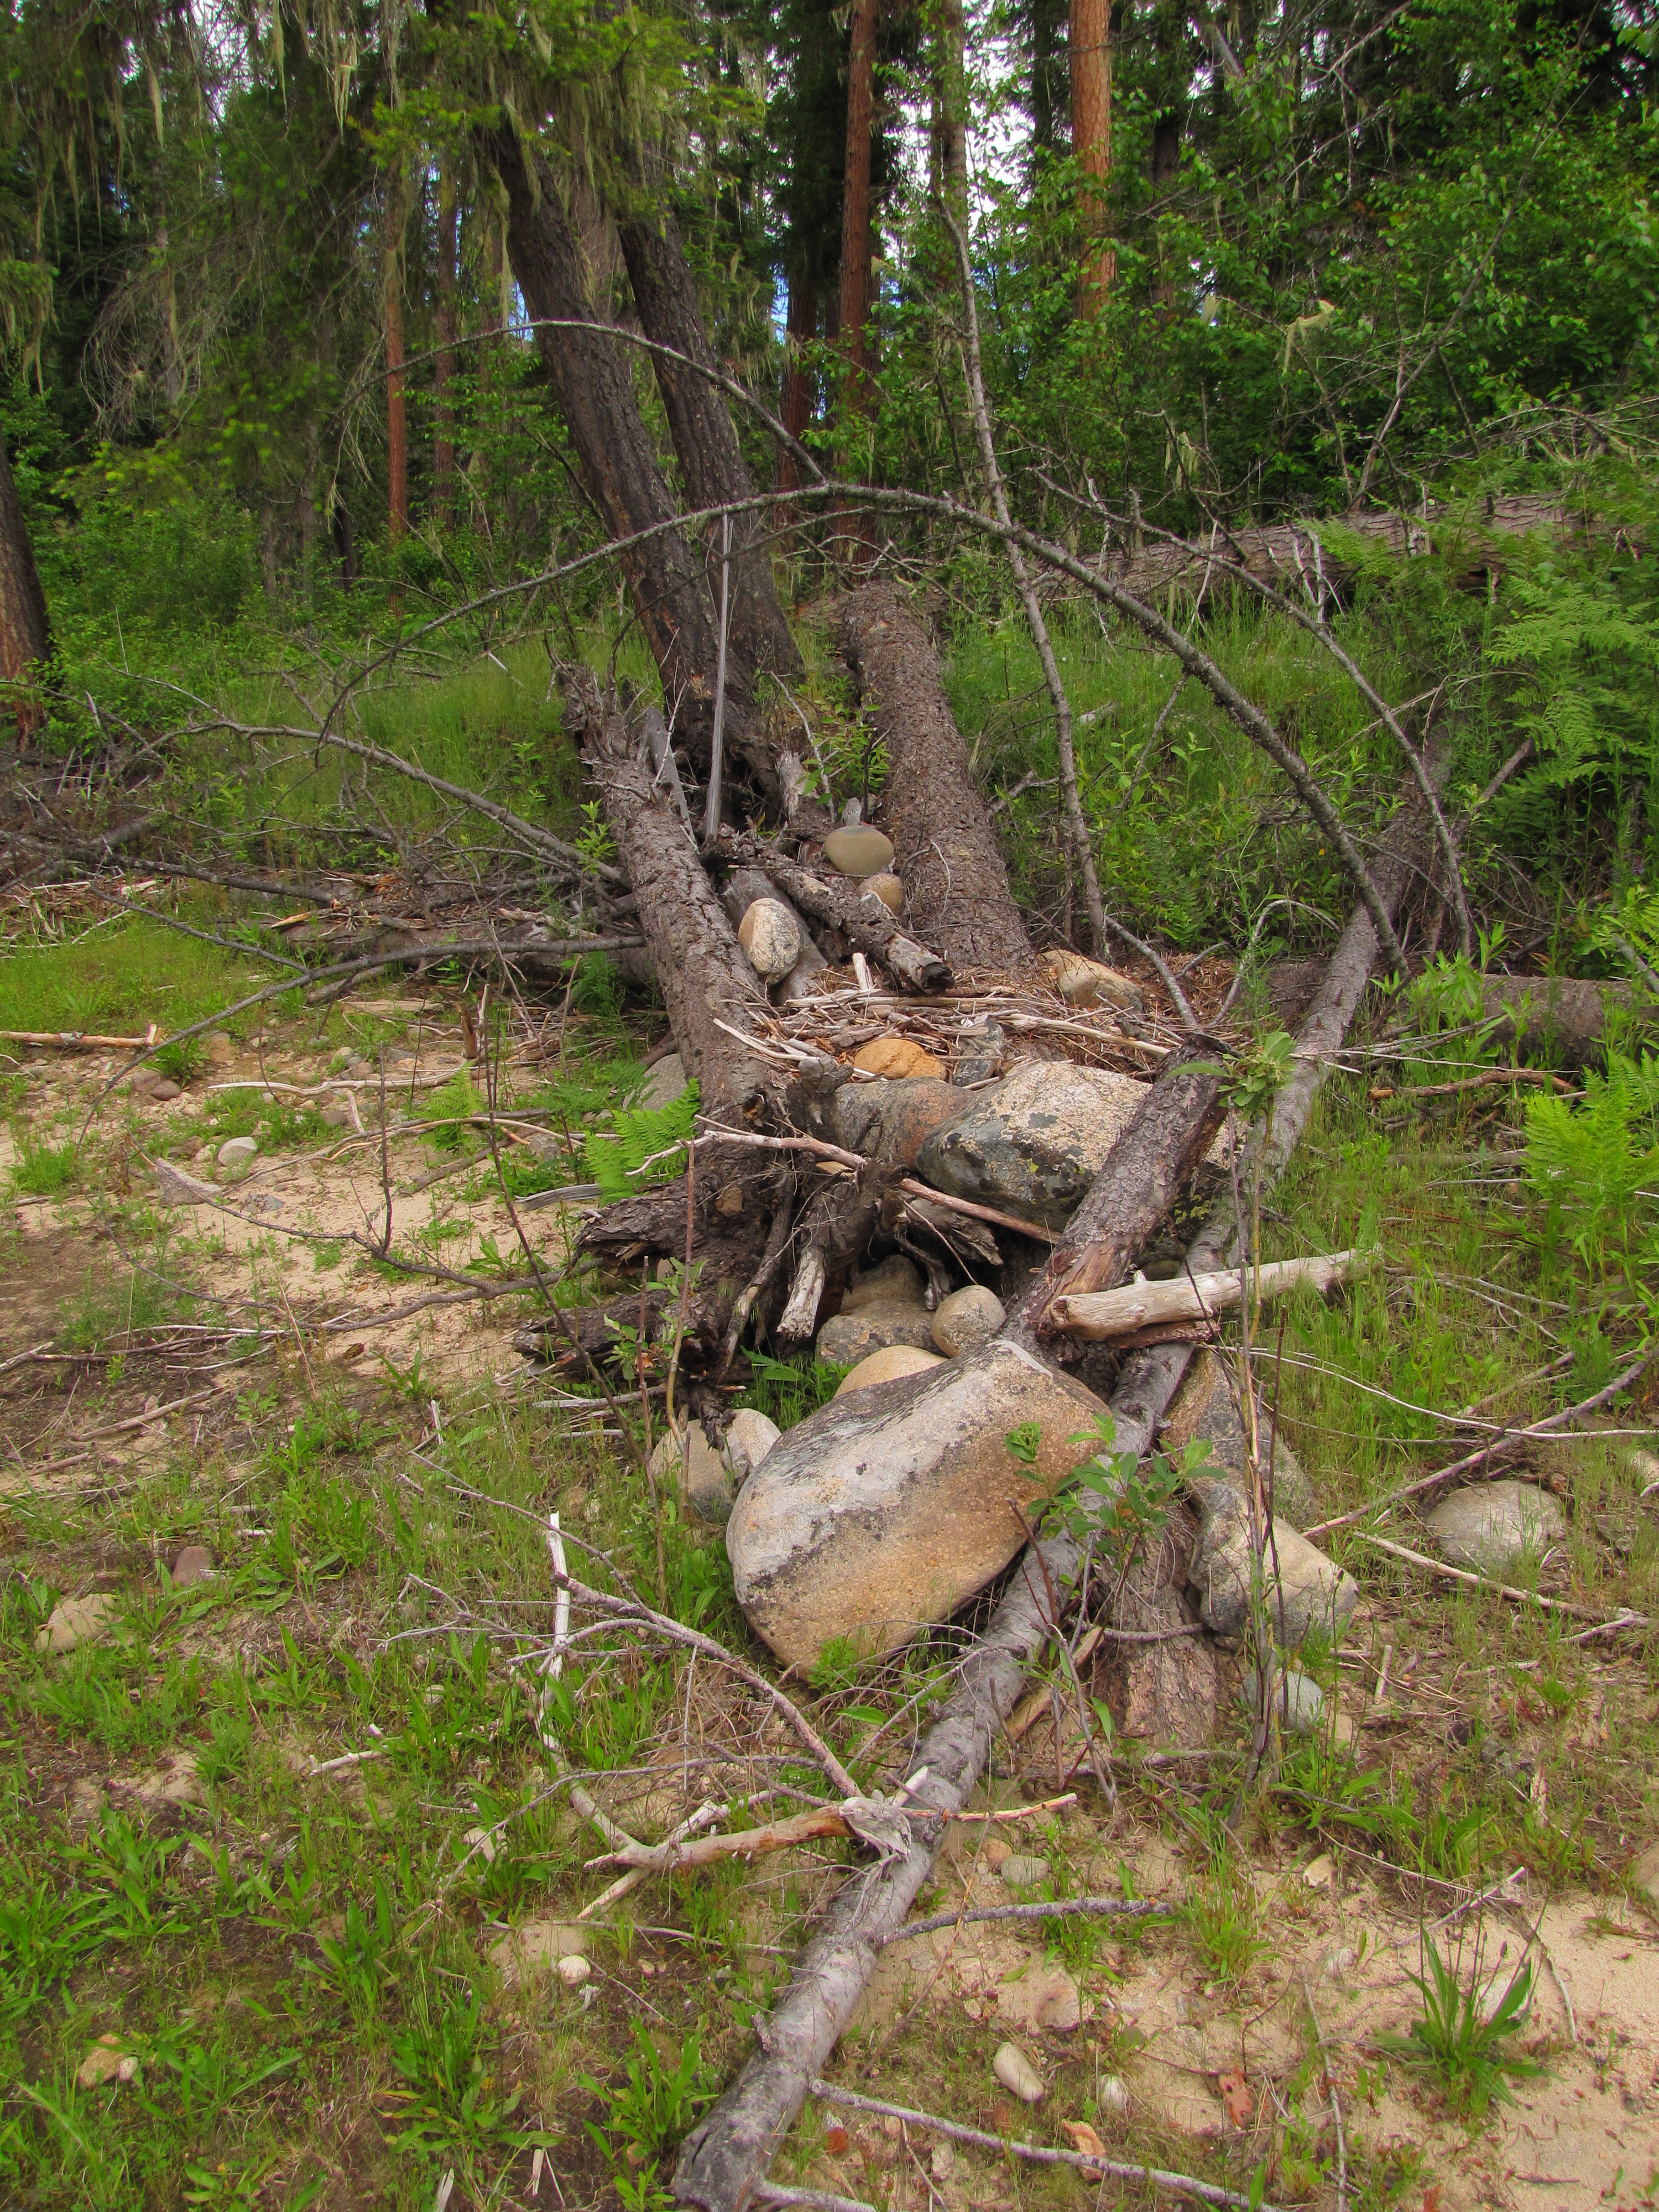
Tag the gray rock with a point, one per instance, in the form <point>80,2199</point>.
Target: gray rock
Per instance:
<point>1311,1589</point>
<point>1298,1702</point>
<point>709,1487</point>
<point>769,934</point>
<point>847,1338</point>
<point>980,1052</point>
<point>886,1509</point>
<point>1022,1871</point>
<point>1035,1143</point>
<point>237,1151</point>
<point>665,1080</point>
<point>967,1319</point>
<point>1492,1526</point>
<point>860,852</point>
<point>892,1120</point>
<point>749,1436</point>
<point>75,1621</point>
<point>893,1281</point>
<point>1203,1408</point>
<point>161,1089</point>
<point>193,1565</point>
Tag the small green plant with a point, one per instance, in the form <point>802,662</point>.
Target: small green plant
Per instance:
<point>1589,1167</point>
<point>42,1170</point>
<point>1463,2048</point>
<point>1221,1917</point>
<point>225,1753</point>
<point>451,2097</point>
<point>356,1957</point>
<point>616,1157</point>
<point>182,1060</point>
<point>654,2103</point>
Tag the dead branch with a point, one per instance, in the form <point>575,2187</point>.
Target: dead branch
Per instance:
<point>1623,1619</point>
<point>837,902</point>
<point>1100,1315</point>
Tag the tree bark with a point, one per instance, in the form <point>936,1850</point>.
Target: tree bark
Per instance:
<point>855,250</point>
<point>1562,1020</point>
<point>25,635</point>
<point>950,136</point>
<point>1089,32</point>
<point>443,367</point>
<point>956,891</point>
<point>619,468</point>
<point>700,425</point>
<point>397,423</point>
<point>801,331</point>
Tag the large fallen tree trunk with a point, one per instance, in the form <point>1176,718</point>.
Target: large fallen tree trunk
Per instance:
<point>723,2158</point>
<point>1565,1020</point>
<point>956,886</point>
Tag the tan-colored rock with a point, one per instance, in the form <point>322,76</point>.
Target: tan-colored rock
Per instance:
<point>861,852</point>
<point>770,935</point>
<point>536,1946</point>
<point>1016,2074</point>
<point>847,1338</point>
<point>967,1319</point>
<point>75,1621</point>
<point>887,1365</point>
<point>888,889</point>
<point>105,2062</point>
<point>883,1512</point>
<point>573,1970</point>
<point>1492,1526</point>
<point>749,1436</point>
<point>193,1565</point>
<point>899,1056</point>
<point>709,1487</point>
<point>894,1280</point>
<point>1085,982</point>
<point>1643,1879</point>
<point>892,1120</point>
<point>1309,1589</point>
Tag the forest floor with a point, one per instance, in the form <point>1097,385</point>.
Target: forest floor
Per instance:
<point>254,1954</point>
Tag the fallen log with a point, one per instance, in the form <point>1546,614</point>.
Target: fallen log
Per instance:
<point>1101,1316</point>
<point>1565,1020</point>
<point>956,886</point>
<point>839,904</point>
<point>725,2157</point>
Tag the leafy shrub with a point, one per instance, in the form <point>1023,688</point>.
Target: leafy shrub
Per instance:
<point>1589,1164</point>
<point>616,1157</point>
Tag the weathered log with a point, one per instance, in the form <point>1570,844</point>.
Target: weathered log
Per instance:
<point>838,904</point>
<point>956,886</point>
<point>1103,1316</point>
<point>705,976</point>
<point>1565,1020</point>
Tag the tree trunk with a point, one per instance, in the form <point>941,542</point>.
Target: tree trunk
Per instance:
<point>443,368</point>
<point>396,425</point>
<point>701,426</point>
<point>855,256</point>
<point>802,328</point>
<point>949,146</point>
<point>1089,33</point>
<point>619,468</point>
<point>1047,72</point>
<point>957,897</point>
<point>24,637</point>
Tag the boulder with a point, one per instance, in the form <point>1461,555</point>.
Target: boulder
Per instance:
<point>888,889</point>
<point>709,1486</point>
<point>1312,1591</point>
<point>893,1281</point>
<point>847,1338</point>
<point>770,935</point>
<point>75,1621</point>
<point>967,1319</point>
<point>887,1365</point>
<point>1203,1408</point>
<point>892,1120</point>
<point>1033,1146</point>
<point>749,1436</point>
<point>885,1511</point>
<point>237,1151</point>
<point>1297,1701</point>
<point>859,852</point>
<point>1492,1526</point>
<point>664,1082</point>
<point>898,1056</point>
<point>1085,982</point>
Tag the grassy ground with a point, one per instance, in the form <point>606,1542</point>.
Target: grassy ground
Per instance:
<point>240,1826</point>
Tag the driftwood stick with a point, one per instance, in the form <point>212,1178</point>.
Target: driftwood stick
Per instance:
<point>924,1190</point>
<point>1181,2184</point>
<point>1516,1596</point>
<point>778,1836</point>
<point>796,1321</point>
<point>1099,1315</point>
<point>1062,1908</point>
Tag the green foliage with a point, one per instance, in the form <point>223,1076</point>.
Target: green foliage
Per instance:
<point>451,2100</point>
<point>42,1170</point>
<point>1464,2047</point>
<point>1587,1165</point>
<point>614,1160</point>
<point>356,1959</point>
<point>121,979</point>
<point>656,2102</point>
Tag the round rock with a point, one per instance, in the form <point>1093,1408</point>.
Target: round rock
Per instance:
<point>888,889</point>
<point>749,1436</point>
<point>893,1281</point>
<point>237,1151</point>
<point>1021,1870</point>
<point>897,1057</point>
<point>1491,1526</point>
<point>886,1366</point>
<point>861,852</point>
<point>1016,2074</point>
<point>847,1338</point>
<point>967,1319</point>
<point>769,933</point>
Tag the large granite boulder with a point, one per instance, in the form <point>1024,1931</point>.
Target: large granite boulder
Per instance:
<point>888,1509</point>
<point>1033,1144</point>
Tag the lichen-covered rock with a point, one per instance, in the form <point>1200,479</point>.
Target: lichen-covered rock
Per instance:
<point>1034,1144</point>
<point>892,1120</point>
<point>1309,1589</point>
<point>885,1511</point>
<point>967,1319</point>
<point>847,1338</point>
<point>770,936</point>
<point>861,851</point>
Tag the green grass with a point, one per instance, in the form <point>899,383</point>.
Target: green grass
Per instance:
<point>122,980</point>
<point>42,1170</point>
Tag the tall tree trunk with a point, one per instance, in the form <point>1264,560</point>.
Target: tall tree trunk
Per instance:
<point>443,444</point>
<point>1088,35</point>
<point>855,240</point>
<point>1048,73</point>
<point>24,637</point>
<point>618,467</point>
<point>950,136</point>
<point>397,423</point>
<point>802,328</point>
<point>701,426</point>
